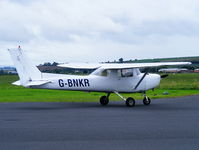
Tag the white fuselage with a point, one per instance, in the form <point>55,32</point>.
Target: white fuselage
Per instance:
<point>109,83</point>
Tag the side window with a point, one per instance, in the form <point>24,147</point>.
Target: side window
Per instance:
<point>119,73</point>
<point>101,72</point>
<point>104,73</point>
<point>127,72</point>
<point>136,71</point>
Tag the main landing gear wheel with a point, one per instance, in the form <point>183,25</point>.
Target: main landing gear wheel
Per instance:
<point>104,100</point>
<point>130,102</point>
<point>146,101</point>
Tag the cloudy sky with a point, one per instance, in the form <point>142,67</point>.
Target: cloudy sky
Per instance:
<point>99,30</point>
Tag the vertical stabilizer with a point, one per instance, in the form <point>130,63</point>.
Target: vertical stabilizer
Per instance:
<point>25,69</point>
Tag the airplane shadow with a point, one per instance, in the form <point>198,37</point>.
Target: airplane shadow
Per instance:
<point>95,105</point>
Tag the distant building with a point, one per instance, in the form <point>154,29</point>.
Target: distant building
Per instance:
<point>173,70</point>
<point>8,70</point>
<point>196,70</point>
<point>12,72</point>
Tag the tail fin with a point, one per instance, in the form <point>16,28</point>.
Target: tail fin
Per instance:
<point>25,69</point>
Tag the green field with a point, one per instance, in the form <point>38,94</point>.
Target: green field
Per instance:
<point>175,85</point>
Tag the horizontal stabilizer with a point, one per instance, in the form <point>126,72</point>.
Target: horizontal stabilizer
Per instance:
<point>37,82</point>
<point>32,83</point>
<point>18,83</point>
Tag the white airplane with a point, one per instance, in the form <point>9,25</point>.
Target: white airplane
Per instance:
<point>107,78</point>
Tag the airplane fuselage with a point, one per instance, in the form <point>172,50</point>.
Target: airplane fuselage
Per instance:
<point>102,84</point>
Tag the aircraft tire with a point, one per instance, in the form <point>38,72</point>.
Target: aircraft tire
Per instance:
<point>146,101</point>
<point>130,102</point>
<point>104,100</point>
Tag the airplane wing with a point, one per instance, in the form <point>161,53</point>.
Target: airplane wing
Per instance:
<point>122,65</point>
<point>142,65</point>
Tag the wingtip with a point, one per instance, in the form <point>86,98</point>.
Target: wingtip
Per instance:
<point>188,63</point>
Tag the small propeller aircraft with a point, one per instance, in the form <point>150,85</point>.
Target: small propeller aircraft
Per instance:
<point>107,77</point>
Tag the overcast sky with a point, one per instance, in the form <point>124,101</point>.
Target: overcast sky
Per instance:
<point>99,30</point>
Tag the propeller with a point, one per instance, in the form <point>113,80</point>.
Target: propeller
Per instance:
<point>164,76</point>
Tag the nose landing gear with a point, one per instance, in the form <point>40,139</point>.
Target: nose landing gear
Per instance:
<point>146,101</point>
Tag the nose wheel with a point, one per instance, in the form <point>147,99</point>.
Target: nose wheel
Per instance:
<point>146,101</point>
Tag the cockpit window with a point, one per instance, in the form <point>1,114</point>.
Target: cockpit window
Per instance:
<point>127,73</point>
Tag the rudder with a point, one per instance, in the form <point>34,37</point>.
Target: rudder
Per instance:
<point>25,69</point>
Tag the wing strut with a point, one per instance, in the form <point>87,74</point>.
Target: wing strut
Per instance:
<point>140,80</point>
<point>120,95</point>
